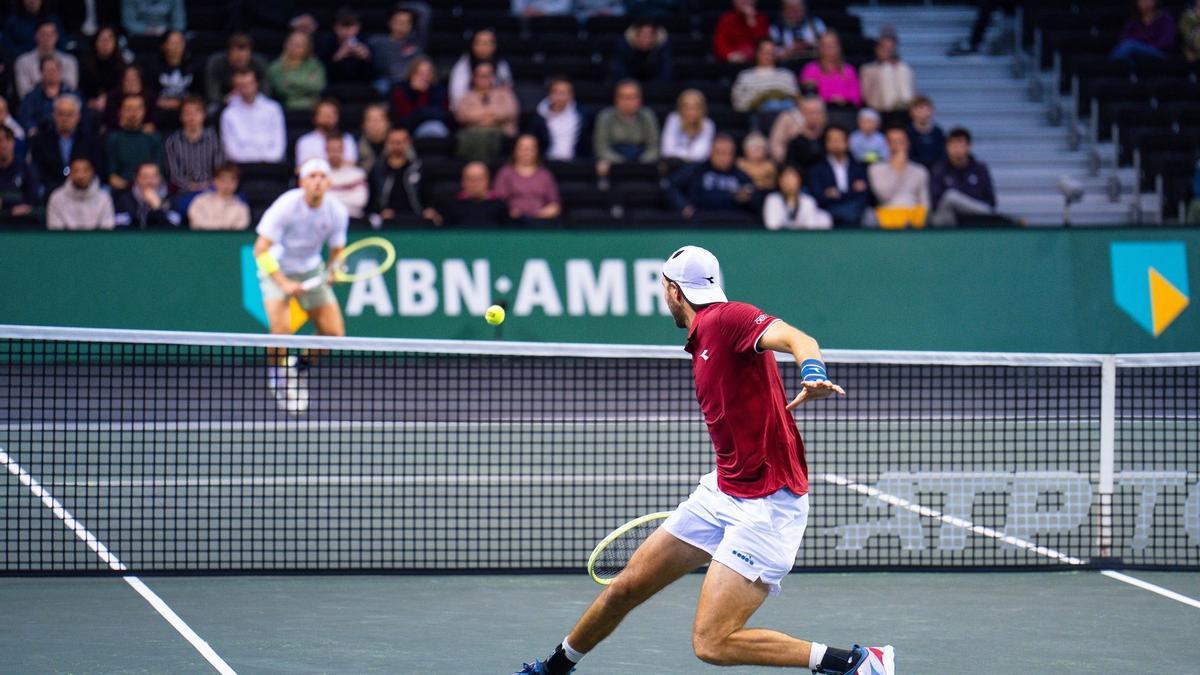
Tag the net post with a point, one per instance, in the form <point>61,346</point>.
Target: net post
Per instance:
<point>1108,442</point>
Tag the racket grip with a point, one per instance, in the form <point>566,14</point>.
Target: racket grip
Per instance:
<point>312,283</point>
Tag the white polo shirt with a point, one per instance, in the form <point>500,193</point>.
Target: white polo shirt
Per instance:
<point>299,231</point>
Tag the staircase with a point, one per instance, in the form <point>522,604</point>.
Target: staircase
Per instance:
<point>1012,132</point>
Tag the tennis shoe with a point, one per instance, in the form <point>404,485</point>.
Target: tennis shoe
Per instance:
<point>288,388</point>
<point>535,668</point>
<point>876,660</point>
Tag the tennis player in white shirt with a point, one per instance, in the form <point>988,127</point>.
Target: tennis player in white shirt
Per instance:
<point>291,234</point>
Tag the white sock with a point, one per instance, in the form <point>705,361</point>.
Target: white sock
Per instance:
<point>815,653</point>
<point>575,656</point>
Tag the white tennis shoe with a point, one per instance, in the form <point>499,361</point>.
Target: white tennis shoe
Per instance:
<point>288,386</point>
<point>880,661</point>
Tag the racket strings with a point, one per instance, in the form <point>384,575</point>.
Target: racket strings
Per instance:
<point>615,557</point>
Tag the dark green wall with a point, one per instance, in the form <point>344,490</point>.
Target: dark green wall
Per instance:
<point>954,290</point>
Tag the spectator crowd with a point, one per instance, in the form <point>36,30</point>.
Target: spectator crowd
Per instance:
<point>139,123</point>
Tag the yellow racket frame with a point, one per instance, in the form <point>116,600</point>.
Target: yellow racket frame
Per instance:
<point>341,276</point>
<point>613,536</point>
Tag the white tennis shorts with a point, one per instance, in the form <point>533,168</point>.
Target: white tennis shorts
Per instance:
<point>757,538</point>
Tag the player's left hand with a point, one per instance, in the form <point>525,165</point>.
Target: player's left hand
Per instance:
<point>815,390</point>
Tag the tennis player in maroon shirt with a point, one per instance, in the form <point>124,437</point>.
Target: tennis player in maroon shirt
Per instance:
<point>748,517</point>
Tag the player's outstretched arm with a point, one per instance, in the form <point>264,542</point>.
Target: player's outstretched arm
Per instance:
<point>781,337</point>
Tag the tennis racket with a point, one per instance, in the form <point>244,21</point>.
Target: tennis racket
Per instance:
<point>612,554</point>
<point>363,259</point>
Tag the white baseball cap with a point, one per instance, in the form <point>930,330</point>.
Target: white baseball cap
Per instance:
<point>697,273</point>
<point>313,166</point>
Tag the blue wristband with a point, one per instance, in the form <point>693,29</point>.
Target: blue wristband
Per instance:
<point>812,370</point>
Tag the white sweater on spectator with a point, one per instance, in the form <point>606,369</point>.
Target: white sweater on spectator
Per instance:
<point>27,71</point>
<point>755,85</point>
<point>211,211</point>
<point>806,215</point>
<point>70,208</point>
<point>908,187</point>
<point>348,185</point>
<point>564,128</point>
<point>253,132</point>
<point>312,146</point>
<point>676,143</point>
<point>888,86</point>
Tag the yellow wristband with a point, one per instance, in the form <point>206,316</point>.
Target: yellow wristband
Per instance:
<point>267,263</point>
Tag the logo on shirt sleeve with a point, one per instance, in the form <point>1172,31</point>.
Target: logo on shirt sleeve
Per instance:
<point>704,354</point>
<point>761,318</point>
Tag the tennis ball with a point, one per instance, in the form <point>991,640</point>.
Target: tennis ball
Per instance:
<point>494,315</point>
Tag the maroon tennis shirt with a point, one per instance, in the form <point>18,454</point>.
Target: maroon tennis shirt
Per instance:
<point>759,449</point>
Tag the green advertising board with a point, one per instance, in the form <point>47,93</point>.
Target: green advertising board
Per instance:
<point>1041,291</point>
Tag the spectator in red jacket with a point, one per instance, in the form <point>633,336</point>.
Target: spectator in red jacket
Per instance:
<point>738,31</point>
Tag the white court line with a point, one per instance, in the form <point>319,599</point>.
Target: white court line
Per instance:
<point>950,520</point>
<point>115,564</point>
<point>900,502</point>
<point>1153,588</point>
<point>446,480</point>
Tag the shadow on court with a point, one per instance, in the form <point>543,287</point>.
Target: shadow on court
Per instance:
<point>945,623</point>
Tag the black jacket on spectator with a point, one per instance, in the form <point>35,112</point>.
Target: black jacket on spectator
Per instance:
<point>927,149</point>
<point>18,185</point>
<point>707,188</point>
<point>48,160</point>
<point>475,212</point>
<point>348,69</point>
<point>412,108</point>
<point>974,180</point>
<point>651,66</point>
<point>396,189</point>
<point>805,152</point>
<point>536,125</point>
<point>134,214</point>
<point>848,207</point>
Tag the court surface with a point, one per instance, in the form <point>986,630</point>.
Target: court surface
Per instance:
<point>1073,622</point>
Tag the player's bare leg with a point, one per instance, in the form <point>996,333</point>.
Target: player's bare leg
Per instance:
<point>720,637</point>
<point>281,376</point>
<point>328,320</point>
<point>659,561</point>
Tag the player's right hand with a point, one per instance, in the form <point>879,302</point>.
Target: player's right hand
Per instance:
<point>292,288</point>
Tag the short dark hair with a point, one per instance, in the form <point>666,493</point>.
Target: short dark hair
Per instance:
<point>894,127</point>
<point>347,17</point>
<point>402,10</point>
<point>831,128</point>
<point>244,71</point>
<point>47,20</point>
<point>192,99</point>
<point>959,132</point>
<point>922,100</point>
<point>241,40</point>
<point>555,79</point>
<point>228,168</point>
<point>643,22</point>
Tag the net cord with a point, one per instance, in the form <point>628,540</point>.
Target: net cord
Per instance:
<point>579,350</point>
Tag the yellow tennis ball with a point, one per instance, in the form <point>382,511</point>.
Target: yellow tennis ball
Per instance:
<point>494,315</point>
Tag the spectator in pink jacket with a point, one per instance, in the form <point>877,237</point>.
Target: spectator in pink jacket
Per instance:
<point>830,76</point>
<point>486,114</point>
<point>526,186</point>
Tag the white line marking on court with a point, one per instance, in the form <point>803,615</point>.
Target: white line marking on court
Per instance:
<point>115,563</point>
<point>951,520</point>
<point>900,502</point>
<point>1153,588</point>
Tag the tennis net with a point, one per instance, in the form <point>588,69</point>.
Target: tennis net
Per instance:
<point>173,452</point>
